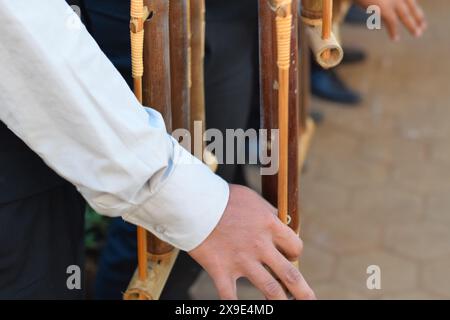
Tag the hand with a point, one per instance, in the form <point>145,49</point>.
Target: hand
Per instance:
<point>393,12</point>
<point>248,238</point>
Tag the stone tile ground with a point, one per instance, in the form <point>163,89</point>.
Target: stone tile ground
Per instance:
<point>377,185</point>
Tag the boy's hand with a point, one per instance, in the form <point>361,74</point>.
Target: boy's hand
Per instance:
<point>393,12</point>
<point>248,239</point>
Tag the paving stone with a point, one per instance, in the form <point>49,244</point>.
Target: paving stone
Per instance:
<point>393,150</point>
<point>323,196</point>
<point>340,143</point>
<point>411,295</point>
<point>436,277</point>
<point>387,204</point>
<point>353,172</point>
<point>419,240</point>
<point>438,207</point>
<point>426,179</point>
<point>337,291</point>
<point>342,235</point>
<point>316,264</point>
<point>440,151</point>
<point>397,274</point>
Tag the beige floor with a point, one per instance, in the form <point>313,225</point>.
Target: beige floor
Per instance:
<point>377,186</point>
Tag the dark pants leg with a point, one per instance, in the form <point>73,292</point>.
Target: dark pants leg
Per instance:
<point>40,237</point>
<point>232,81</point>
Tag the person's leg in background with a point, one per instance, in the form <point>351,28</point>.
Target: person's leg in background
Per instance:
<point>328,85</point>
<point>232,72</point>
<point>41,226</point>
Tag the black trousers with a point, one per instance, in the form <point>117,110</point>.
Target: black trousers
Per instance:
<point>41,236</point>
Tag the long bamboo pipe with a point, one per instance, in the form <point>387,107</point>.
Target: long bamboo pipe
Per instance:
<point>139,14</point>
<point>327,22</point>
<point>283,23</point>
<point>197,19</point>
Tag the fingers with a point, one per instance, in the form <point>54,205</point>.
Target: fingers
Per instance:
<point>226,287</point>
<point>403,11</point>
<point>287,241</point>
<point>266,283</point>
<point>417,13</point>
<point>392,24</point>
<point>289,275</point>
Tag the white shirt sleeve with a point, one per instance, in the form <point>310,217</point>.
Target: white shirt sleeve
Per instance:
<point>60,94</point>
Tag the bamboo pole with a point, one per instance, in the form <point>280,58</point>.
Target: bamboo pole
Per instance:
<point>327,24</point>
<point>283,22</point>
<point>197,28</point>
<point>151,73</point>
<point>139,14</point>
<point>180,64</point>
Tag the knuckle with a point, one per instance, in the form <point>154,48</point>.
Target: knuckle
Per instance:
<point>300,246</point>
<point>272,221</point>
<point>296,251</point>
<point>272,289</point>
<point>259,245</point>
<point>292,275</point>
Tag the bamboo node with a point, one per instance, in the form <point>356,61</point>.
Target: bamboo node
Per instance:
<point>284,26</point>
<point>281,7</point>
<point>139,14</point>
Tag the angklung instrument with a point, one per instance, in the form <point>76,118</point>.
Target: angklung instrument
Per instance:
<point>168,43</point>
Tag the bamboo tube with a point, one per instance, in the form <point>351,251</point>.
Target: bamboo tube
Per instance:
<point>327,22</point>
<point>197,19</point>
<point>197,56</point>
<point>294,122</point>
<point>179,31</point>
<point>318,18</point>
<point>304,69</point>
<point>138,15</point>
<point>319,46</point>
<point>151,75</point>
<point>283,22</point>
<point>268,92</point>
<point>312,11</point>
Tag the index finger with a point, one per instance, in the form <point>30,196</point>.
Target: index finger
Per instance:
<point>417,12</point>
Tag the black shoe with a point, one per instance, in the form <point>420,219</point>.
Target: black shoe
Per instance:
<point>327,85</point>
<point>316,116</point>
<point>353,55</point>
<point>356,15</point>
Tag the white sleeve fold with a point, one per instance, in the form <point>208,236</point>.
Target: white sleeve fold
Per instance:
<point>60,94</point>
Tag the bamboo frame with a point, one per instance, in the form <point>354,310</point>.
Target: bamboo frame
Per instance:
<point>177,92</point>
<point>155,257</point>
<point>139,14</point>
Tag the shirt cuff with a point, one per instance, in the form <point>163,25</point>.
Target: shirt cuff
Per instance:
<point>187,206</point>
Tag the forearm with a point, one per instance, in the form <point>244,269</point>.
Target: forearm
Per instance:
<point>61,95</point>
